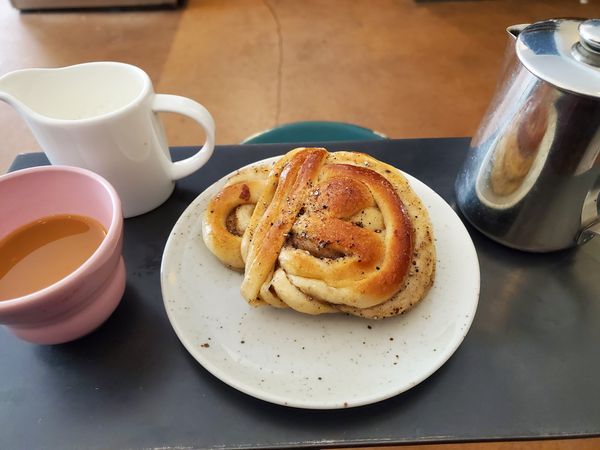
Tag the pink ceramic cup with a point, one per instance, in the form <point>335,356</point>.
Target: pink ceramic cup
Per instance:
<point>84,299</point>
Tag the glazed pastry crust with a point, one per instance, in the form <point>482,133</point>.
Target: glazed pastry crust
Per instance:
<point>329,232</point>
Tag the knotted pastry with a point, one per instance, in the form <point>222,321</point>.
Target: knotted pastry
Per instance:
<point>324,232</point>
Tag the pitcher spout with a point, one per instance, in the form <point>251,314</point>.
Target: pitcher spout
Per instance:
<point>5,94</point>
<point>514,30</point>
<point>11,85</point>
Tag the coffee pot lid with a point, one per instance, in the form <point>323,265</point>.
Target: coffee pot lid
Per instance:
<point>563,52</point>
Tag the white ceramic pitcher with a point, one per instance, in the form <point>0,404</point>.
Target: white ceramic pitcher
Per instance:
<point>102,116</point>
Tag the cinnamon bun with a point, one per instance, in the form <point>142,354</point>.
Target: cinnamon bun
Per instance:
<point>323,232</point>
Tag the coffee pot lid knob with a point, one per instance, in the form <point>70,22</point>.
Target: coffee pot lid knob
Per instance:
<point>589,34</point>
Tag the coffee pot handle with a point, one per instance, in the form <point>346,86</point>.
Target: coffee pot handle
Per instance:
<point>590,215</point>
<point>589,232</point>
<point>194,110</point>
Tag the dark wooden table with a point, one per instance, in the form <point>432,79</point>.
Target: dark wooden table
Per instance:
<point>529,367</point>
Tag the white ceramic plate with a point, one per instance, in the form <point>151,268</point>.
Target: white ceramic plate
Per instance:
<point>320,362</point>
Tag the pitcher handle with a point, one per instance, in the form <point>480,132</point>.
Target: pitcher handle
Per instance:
<point>194,110</point>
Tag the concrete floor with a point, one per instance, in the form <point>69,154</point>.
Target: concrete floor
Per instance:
<point>404,68</point>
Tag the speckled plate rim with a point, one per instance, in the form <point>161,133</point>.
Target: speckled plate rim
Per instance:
<point>469,263</point>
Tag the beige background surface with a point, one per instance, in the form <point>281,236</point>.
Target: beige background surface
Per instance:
<point>406,69</point>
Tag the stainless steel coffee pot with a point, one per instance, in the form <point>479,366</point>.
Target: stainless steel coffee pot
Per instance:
<point>531,179</point>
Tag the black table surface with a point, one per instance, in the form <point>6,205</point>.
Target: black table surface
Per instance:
<point>528,368</point>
